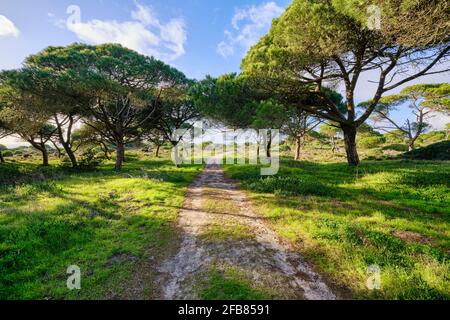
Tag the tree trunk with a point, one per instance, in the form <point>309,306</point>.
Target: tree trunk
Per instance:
<point>350,145</point>
<point>333,145</point>
<point>105,150</point>
<point>44,151</point>
<point>120,155</point>
<point>298,147</point>
<point>66,143</point>
<point>57,149</point>
<point>41,147</point>
<point>269,145</point>
<point>2,160</point>
<point>411,145</point>
<point>157,151</point>
<point>71,155</point>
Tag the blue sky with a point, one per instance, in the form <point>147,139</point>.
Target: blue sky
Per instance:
<point>198,37</point>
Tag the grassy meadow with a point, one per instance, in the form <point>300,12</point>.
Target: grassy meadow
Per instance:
<point>114,225</point>
<point>393,214</point>
<point>118,226</point>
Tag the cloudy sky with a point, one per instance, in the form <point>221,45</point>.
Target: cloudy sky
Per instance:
<point>197,36</point>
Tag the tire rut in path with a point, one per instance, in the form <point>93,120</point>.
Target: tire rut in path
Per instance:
<point>262,257</point>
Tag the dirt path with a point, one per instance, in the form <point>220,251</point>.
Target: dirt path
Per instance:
<point>221,231</point>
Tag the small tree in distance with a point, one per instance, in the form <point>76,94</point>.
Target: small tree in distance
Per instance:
<point>331,131</point>
<point>423,100</point>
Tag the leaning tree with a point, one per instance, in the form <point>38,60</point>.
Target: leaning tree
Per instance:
<point>117,88</point>
<point>63,107</point>
<point>30,124</point>
<point>319,44</point>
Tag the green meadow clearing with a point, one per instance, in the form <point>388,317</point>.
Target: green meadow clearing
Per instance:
<point>113,225</point>
<point>393,214</point>
<point>118,226</point>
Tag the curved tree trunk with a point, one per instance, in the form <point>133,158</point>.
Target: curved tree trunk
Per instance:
<point>57,149</point>
<point>333,145</point>
<point>41,147</point>
<point>350,145</point>
<point>70,154</point>
<point>2,160</point>
<point>105,149</point>
<point>66,142</point>
<point>157,150</point>
<point>120,155</point>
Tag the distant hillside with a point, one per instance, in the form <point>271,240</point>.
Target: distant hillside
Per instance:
<point>436,151</point>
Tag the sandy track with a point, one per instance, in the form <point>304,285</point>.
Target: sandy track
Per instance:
<point>264,259</point>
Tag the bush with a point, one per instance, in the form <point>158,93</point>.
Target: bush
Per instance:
<point>395,137</point>
<point>396,147</point>
<point>285,148</point>
<point>90,160</point>
<point>289,186</point>
<point>7,153</point>
<point>432,137</point>
<point>437,151</point>
<point>371,141</point>
<point>18,152</point>
<point>65,162</point>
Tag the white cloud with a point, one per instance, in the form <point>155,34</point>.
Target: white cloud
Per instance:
<point>7,28</point>
<point>225,49</point>
<point>438,121</point>
<point>249,24</point>
<point>173,33</point>
<point>143,33</point>
<point>144,15</point>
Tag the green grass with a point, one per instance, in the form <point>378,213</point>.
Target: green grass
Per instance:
<point>394,214</point>
<point>110,224</point>
<point>117,226</point>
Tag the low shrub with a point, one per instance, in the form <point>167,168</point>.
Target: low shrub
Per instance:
<point>371,141</point>
<point>396,147</point>
<point>90,160</point>
<point>436,151</point>
<point>289,186</point>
